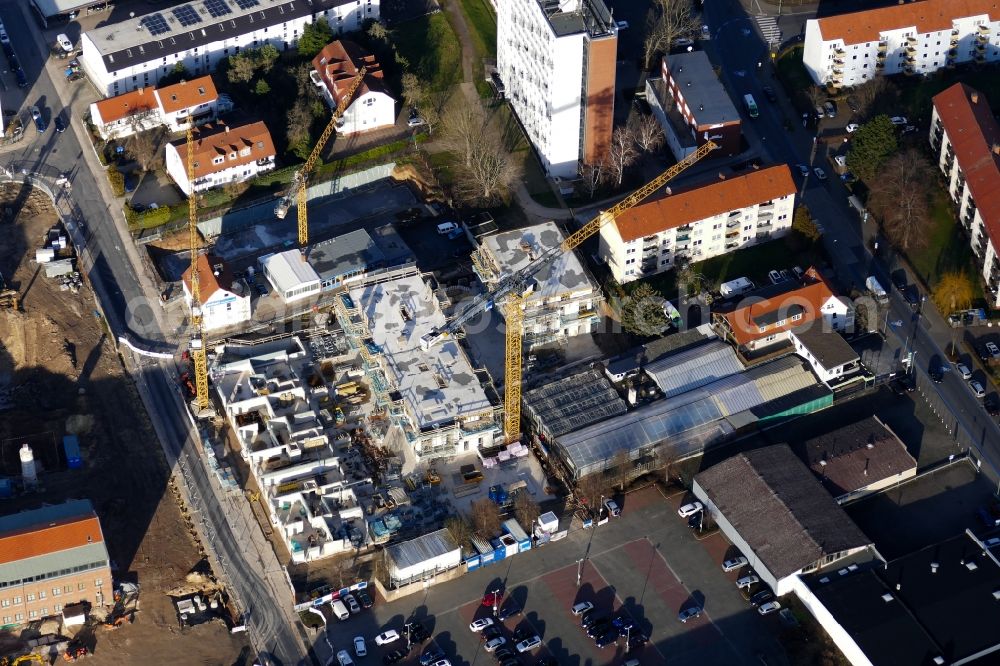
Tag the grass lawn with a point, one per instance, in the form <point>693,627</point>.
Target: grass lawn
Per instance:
<point>916,91</point>
<point>754,262</point>
<point>482,24</point>
<point>947,249</point>
<point>794,76</point>
<point>431,47</point>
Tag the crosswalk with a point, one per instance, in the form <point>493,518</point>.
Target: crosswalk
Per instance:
<point>769,28</point>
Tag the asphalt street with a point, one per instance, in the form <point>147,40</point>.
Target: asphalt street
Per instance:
<point>118,276</point>
<point>845,238</point>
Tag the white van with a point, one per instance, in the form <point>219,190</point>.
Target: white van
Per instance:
<point>339,609</point>
<point>64,42</point>
<point>735,287</point>
<point>446,228</point>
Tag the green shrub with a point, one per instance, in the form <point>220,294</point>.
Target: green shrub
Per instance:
<point>117,181</point>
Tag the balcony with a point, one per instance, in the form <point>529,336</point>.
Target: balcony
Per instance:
<point>880,64</point>
<point>732,245</point>
<point>764,225</point>
<point>911,50</point>
<point>734,232</point>
<point>839,52</point>
<point>954,39</point>
<point>683,238</point>
<point>981,45</point>
<point>980,55</point>
<point>883,47</point>
<point>684,228</point>
<point>984,29</point>
<point>909,69</point>
<point>734,224</point>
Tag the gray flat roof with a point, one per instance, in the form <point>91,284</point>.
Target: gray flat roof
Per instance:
<point>353,252</point>
<point>416,551</point>
<point>569,17</point>
<point>703,93</point>
<point>694,367</point>
<point>43,516</point>
<point>55,7</point>
<point>513,250</point>
<point>827,347</point>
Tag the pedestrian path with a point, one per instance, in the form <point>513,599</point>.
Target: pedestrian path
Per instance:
<point>769,29</point>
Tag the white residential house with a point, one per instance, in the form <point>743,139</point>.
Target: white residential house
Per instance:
<point>912,38</point>
<point>833,360</point>
<point>556,63</point>
<point>292,278</point>
<point>145,108</point>
<point>222,155</point>
<point>966,137</point>
<point>335,69</point>
<point>699,223</point>
<point>137,52</point>
<point>225,301</point>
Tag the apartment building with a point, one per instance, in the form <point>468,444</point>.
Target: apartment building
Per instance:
<point>222,155</point>
<point>334,71</point>
<point>693,106</point>
<point>700,222</point>
<point>766,317</point>
<point>966,137</point>
<point>556,59</point>
<point>137,52</point>
<point>225,301</point>
<point>174,106</point>
<point>912,38</point>
<point>50,558</point>
<point>563,300</point>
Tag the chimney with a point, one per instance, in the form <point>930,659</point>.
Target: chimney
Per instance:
<point>974,97</point>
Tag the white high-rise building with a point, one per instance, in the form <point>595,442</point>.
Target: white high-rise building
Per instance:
<point>556,61</point>
<point>911,38</point>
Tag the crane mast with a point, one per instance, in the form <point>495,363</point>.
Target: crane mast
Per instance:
<point>198,352</point>
<point>300,182</point>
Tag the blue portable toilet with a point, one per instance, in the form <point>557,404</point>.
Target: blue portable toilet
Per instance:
<point>6,488</point>
<point>71,445</point>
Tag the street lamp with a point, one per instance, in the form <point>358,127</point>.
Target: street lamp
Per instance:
<point>586,554</point>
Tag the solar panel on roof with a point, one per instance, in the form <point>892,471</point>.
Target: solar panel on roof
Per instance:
<point>217,8</point>
<point>186,15</point>
<point>155,23</point>
<point>246,4</point>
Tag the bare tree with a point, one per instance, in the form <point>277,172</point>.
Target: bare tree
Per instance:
<point>464,126</point>
<point>593,175</point>
<point>622,154</point>
<point>648,133</point>
<point>666,22</point>
<point>144,147</point>
<point>378,32</point>
<point>621,468</point>
<point>485,518</point>
<point>299,123</point>
<point>475,138</point>
<point>413,89</point>
<point>816,95</point>
<point>461,529</point>
<point>899,198</point>
<point>526,510</point>
<point>868,93</point>
<point>589,490</point>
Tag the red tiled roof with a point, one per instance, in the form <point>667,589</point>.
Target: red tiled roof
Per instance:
<point>974,133</point>
<point>53,537</point>
<point>208,281</point>
<point>926,16</point>
<point>187,94</point>
<point>219,140</point>
<point>115,108</point>
<point>807,300</point>
<point>722,196</point>
<point>338,64</point>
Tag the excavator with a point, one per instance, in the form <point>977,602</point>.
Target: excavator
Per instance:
<point>23,659</point>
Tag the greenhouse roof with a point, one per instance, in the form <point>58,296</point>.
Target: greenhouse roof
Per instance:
<point>694,367</point>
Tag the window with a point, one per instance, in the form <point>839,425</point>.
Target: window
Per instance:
<point>56,591</point>
<point>81,587</point>
<point>19,617</point>
<point>218,160</point>
<point>58,608</point>
<point>67,589</point>
<point>98,582</point>
<point>5,603</point>
<point>42,594</point>
<point>18,600</point>
<point>32,614</point>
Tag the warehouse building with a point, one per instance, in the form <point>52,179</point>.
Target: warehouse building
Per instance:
<point>423,558</point>
<point>562,299</point>
<point>139,51</point>
<point>292,278</point>
<point>50,558</point>
<point>774,510</point>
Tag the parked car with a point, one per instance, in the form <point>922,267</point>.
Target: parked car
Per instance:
<point>898,120</point>
<point>689,509</point>
<point>591,618</point>
<point>60,124</point>
<point>769,607</point>
<point>581,608</point>
<point>36,116</point>
<point>494,643</point>
<point>636,639</point>
<point>820,174</point>
<point>416,121</point>
<point>352,604</point>
<point>364,598</point>
<point>840,160</point>
<point>491,632</point>
<point>22,79</point>
<point>394,657</point>
<point>623,621</point>
<point>688,613</point>
<point>852,127</point>
<point>993,350</point>
<point>977,388</point>
<point>613,510</point>
<point>607,638</point>
<point>360,649</point>
<point>769,94</point>
<point>387,637</point>
<point>987,518</point>
<point>492,598</point>
<point>598,628</point>
<point>963,370</point>
<point>509,611</point>
<point>992,405</point>
<point>936,375</point>
<point>747,581</point>
<point>992,542</point>
<point>480,624</point>
<point>64,42</point>
<point>433,654</point>
<point>344,659</point>
<point>528,644</point>
<point>761,597</point>
<point>774,276</point>
<point>418,633</point>
<point>503,653</point>
<point>803,169</point>
<point>830,108</point>
<point>734,563</point>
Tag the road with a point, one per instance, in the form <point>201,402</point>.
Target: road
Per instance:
<point>125,291</point>
<point>846,239</point>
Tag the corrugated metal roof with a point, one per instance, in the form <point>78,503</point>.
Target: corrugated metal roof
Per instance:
<point>694,367</point>
<point>415,551</point>
<point>53,563</point>
<point>286,270</point>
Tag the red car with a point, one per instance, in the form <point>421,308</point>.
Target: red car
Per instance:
<point>492,599</point>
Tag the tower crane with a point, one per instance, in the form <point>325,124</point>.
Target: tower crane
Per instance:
<point>197,346</point>
<point>512,287</point>
<point>300,182</point>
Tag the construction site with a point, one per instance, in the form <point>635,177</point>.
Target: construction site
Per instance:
<point>61,379</point>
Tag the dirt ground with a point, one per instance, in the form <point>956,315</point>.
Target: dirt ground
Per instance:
<point>60,374</point>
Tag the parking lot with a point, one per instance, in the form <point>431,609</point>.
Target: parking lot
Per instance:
<point>647,562</point>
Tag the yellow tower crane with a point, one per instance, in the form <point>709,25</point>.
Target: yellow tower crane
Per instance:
<point>198,352</point>
<point>300,182</point>
<point>511,289</point>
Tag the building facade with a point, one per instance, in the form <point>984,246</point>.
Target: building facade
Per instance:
<point>699,223</point>
<point>557,60</point>
<point>225,301</point>
<point>565,299</point>
<point>966,137</point>
<point>693,106</point>
<point>222,155</point>
<point>912,38</point>
<point>137,52</point>
<point>334,70</point>
<point>50,558</point>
